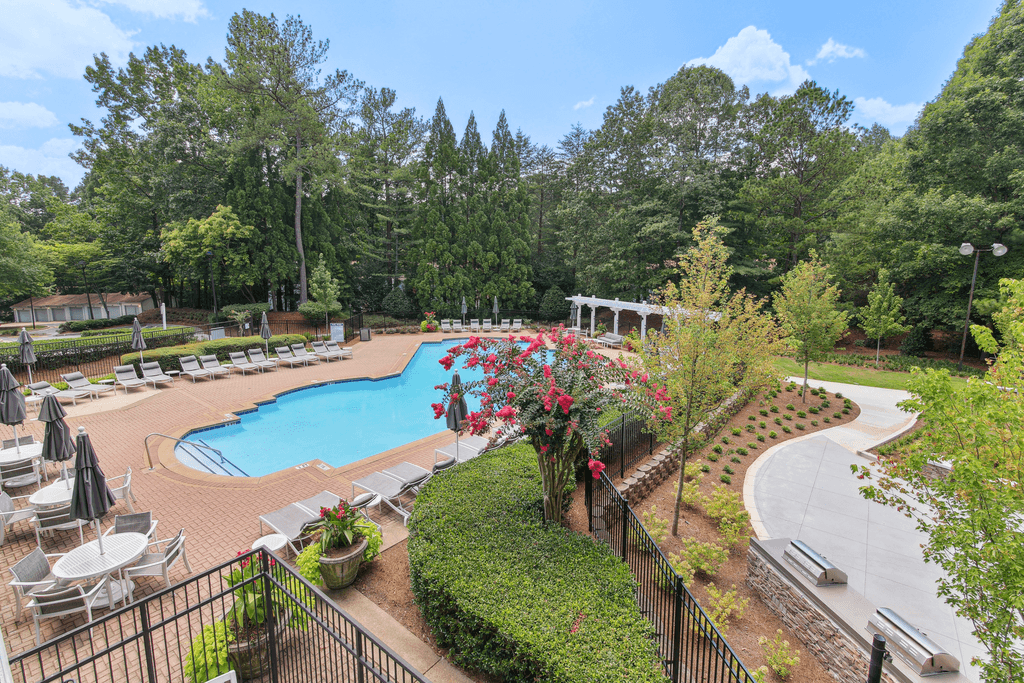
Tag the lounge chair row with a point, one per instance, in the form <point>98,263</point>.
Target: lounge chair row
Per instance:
<point>507,325</point>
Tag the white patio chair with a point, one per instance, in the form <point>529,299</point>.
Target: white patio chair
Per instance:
<point>44,389</point>
<point>190,367</point>
<point>457,326</point>
<point>122,489</point>
<point>153,373</point>
<point>136,523</point>
<point>487,326</point>
<point>76,380</point>
<point>213,365</point>
<point>57,518</point>
<point>159,562</point>
<point>20,473</point>
<point>61,601</point>
<point>321,350</point>
<point>126,377</point>
<point>10,515</point>
<point>345,351</point>
<point>300,352</point>
<point>517,325</point>
<point>285,355</point>
<point>257,358</point>
<point>506,324</point>
<point>31,573</point>
<point>242,363</point>
<point>446,326</point>
<point>474,325</point>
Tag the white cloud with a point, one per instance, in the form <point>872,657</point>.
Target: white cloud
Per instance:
<point>582,104</point>
<point>50,159</point>
<point>752,55</point>
<point>889,115</point>
<point>56,38</point>
<point>21,115</point>
<point>189,10</point>
<point>831,51</point>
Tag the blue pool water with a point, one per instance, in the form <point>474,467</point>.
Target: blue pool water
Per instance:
<point>337,423</point>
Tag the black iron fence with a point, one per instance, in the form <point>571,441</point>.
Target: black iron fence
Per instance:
<point>631,443</point>
<point>172,634</point>
<point>690,645</point>
<point>93,356</point>
<point>232,329</point>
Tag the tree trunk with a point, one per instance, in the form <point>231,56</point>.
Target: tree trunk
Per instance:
<point>803,392</point>
<point>303,296</point>
<point>878,350</point>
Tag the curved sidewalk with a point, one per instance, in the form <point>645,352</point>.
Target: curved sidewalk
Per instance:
<point>804,489</point>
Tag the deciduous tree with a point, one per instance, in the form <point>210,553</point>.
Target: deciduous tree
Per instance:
<point>883,316</point>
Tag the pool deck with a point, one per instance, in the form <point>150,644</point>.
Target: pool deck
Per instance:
<point>219,514</point>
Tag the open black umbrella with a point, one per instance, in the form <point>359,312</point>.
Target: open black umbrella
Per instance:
<point>58,446</point>
<point>458,411</point>
<point>12,403</point>
<point>26,354</point>
<point>265,331</point>
<point>138,341</point>
<point>91,497</point>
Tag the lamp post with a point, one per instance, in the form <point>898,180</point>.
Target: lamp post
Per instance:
<point>213,284</point>
<point>966,249</point>
<point>88,299</point>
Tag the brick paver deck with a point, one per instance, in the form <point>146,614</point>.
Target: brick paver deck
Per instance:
<point>219,514</point>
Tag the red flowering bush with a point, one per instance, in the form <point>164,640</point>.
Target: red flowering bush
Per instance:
<point>430,323</point>
<point>556,403</point>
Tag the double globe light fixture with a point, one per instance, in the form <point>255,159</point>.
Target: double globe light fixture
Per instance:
<point>966,249</point>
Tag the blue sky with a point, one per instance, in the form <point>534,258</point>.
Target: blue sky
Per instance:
<point>547,64</point>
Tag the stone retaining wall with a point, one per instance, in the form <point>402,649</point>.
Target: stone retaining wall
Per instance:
<point>837,652</point>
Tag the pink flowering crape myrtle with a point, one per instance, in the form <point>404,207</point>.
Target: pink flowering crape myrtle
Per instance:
<point>554,400</point>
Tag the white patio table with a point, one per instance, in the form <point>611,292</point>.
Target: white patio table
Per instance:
<point>29,450</point>
<point>85,562</point>
<point>57,493</point>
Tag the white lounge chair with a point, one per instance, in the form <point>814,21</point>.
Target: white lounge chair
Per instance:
<point>300,352</point>
<point>190,366</point>
<point>517,325</point>
<point>285,355</point>
<point>126,377</point>
<point>152,372</point>
<point>487,326</point>
<point>346,351</point>
<point>321,350</point>
<point>393,483</point>
<point>46,389</point>
<point>506,324</point>
<point>157,562</point>
<point>257,358</point>
<point>462,450</point>
<point>446,326</point>
<point>613,341</point>
<point>474,325</point>
<point>242,363</point>
<point>77,380</point>
<point>213,365</point>
<point>291,521</point>
<point>457,326</point>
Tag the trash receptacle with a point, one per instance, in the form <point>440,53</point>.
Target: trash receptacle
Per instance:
<point>364,334</point>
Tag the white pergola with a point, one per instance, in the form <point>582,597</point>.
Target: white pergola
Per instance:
<point>643,309</point>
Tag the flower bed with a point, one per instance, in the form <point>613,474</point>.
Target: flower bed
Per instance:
<point>513,597</point>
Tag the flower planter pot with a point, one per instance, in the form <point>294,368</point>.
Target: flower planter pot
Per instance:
<point>251,656</point>
<point>341,571</point>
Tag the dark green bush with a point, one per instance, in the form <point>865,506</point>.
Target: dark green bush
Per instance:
<point>396,304</point>
<point>316,313</point>
<point>554,306</point>
<point>255,311</point>
<point>515,598</point>
<point>82,325</point>
<point>917,342</point>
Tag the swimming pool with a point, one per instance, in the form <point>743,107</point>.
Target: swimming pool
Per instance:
<point>338,423</point>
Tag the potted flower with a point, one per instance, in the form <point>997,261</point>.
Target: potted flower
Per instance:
<point>343,540</point>
<point>249,623</point>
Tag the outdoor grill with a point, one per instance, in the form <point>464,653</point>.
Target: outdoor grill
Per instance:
<point>924,655</point>
<point>814,566</point>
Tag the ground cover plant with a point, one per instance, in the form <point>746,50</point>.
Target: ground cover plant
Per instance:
<point>515,597</point>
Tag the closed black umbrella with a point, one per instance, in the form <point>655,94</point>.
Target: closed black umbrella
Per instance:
<point>138,342</point>
<point>464,309</point>
<point>495,309</point>
<point>12,403</point>
<point>265,331</point>
<point>91,497</point>
<point>458,411</point>
<point>58,446</point>
<point>26,354</point>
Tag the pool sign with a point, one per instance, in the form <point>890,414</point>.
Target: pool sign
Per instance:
<point>338,332</point>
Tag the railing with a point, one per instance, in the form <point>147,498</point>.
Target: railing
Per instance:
<point>631,442</point>
<point>152,639</point>
<point>228,328</point>
<point>93,356</point>
<point>690,645</point>
<point>220,464</point>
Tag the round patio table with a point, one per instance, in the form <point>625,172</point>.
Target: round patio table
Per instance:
<point>57,493</point>
<point>85,562</point>
<point>29,450</point>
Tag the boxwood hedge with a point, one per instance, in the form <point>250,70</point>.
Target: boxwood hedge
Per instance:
<point>513,597</point>
<point>168,356</point>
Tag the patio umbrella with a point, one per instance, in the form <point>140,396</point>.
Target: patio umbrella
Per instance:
<point>58,446</point>
<point>457,410</point>
<point>265,331</point>
<point>495,309</point>
<point>12,403</point>
<point>572,314</point>
<point>464,309</point>
<point>138,343</point>
<point>26,354</point>
<point>90,497</point>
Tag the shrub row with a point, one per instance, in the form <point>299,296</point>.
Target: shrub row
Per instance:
<point>169,355</point>
<point>127,331</point>
<point>902,363</point>
<point>513,597</point>
<point>82,325</point>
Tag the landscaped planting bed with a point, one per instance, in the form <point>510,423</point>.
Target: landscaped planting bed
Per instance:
<point>513,597</point>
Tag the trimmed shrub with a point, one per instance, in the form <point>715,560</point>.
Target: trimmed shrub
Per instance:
<point>554,306</point>
<point>396,304</point>
<point>316,313</point>
<point>517,599</point>
<point>917,342</point>
<point>254,311</point>
<point>82,325</point>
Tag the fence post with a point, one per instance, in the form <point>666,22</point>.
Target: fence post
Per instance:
<point>677,629</point>
<point>588,501</point>
<point>877,657</point>
<point>360,665</point>
<point>625,521</point>
<point>268,605</point>
<point>147,642</point>
<point>622,446</point>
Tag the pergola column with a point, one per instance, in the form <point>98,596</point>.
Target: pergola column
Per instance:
<point>616,325</point>
<point>579,315</point>
<point>643,326</point>
<point>593,318</point>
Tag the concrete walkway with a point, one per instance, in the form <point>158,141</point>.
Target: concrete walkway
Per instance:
<point>804,489</point>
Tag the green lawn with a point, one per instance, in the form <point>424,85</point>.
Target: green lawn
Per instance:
<point>848,374</point>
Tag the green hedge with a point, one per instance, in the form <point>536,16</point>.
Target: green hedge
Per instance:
<point>169,355</point>
<point>127,332</point>
<point>505,593</point>
<point>82,325</point>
